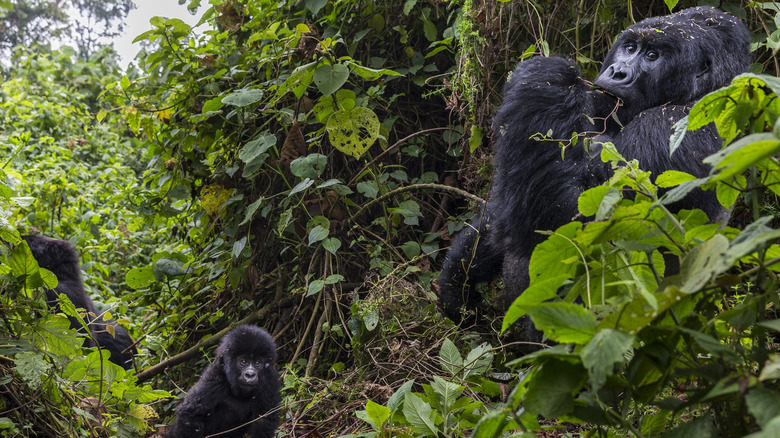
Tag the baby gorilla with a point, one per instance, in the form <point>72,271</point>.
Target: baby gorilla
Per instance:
<point>238,394</point>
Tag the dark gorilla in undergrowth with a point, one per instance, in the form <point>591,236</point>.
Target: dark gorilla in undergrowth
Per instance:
<point>238,394</point>
<point>61,258</point>
<point>657,69</point>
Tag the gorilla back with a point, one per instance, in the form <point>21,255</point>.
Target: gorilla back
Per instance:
<point>656,69</point>
<point>60,257</point>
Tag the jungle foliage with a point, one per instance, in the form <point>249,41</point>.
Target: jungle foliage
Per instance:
<point>302,165</point>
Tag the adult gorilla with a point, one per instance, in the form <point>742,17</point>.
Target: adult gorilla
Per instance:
<point>60,257</point>
<point>657,68</point>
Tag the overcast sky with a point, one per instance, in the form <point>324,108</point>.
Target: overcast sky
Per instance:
<point>138,22</point>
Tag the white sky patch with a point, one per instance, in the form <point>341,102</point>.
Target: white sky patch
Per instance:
<point>137,22</point>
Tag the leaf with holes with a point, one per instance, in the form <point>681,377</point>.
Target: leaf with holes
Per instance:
<point>353,132</point>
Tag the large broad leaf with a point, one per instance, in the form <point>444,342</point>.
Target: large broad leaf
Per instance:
<point>600,355</point>
<point>399,395</point>
<point>450,358</point>
<point>446,392</point>
<point>420,415</point>
<point>742,154</point>
<point>563,322</point>
<point>551,390</point>
<point>540,291</point>
<point>242,98</point>
<point>329,78</point>
<point>764,404</point>
<point>353,132</point>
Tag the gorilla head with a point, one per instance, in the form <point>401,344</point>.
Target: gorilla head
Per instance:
<point>249,355</point>
<point>674,59</point>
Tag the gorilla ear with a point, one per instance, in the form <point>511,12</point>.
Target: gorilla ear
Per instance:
<point>705,69</point>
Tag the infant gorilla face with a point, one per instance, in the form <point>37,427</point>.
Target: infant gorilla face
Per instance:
<point>248,369</point>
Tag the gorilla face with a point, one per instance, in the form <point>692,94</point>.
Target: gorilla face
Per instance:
<point>640,70</point>
<point>674,59</point>
<point>248,371</point>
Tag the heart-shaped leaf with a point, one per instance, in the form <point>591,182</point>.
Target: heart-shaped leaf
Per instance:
<point>353,132</point>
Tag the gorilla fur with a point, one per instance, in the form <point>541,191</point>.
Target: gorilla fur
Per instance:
<point>60,257</point>
<point>229,396</point>
<point>657,69</point>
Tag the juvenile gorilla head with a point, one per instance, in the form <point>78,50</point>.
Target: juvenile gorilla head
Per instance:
<point>249,354</point>
<point>238,393</point>
<point>674,59</point>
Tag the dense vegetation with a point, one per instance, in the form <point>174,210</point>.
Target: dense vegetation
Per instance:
<point>303,165</point>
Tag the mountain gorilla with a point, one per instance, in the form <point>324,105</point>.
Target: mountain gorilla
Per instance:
<point>60,257</point>
<point>238,393</point>
<point>657,69</point>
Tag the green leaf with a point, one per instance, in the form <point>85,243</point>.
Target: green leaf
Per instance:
<point>700,428</point>
<point>672,178</point>
<point>332,245</point>
<point>408,6</point>
<point>678,134</point>
<point>330,78</point>
<point>165,267</point>
<point>450,358</point>
<point>257,146</point>
<point>315,287</point>
<point>318,233</point>
<point>548,258</point>
<point>446,392</point>
<point>542,290</point>
<point>242,98</point>
<point>728,194</point>
<point>551,389</point>
<point>301,186</point>
<point>411,249</point>
<point>429,29</point>
<point>299,80</point>
<point>238,247</point>
<point>410,210</point>
<point>399,395</point>
<point>420,415</point>
<point>599,356</point>
<point>740,155</point>
<point>475,139</point>
<point>478,361</point>
<point>139,278</point>
<point>638,313</point>
<point>310,166</point>
<point>370,74</point>
<point>251,210</point>
<point>563,322</point>
<point>315,5</point>
<point>353,132</point>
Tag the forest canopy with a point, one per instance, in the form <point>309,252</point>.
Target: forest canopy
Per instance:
<point>303,166</point>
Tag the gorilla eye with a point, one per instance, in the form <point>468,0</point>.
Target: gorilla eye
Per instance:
<point>630,47</point>
<point>652,55</point>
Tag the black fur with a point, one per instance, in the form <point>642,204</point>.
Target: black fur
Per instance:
<point>61,258</point>
<point>219,401</point>
<point>658,68</point>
